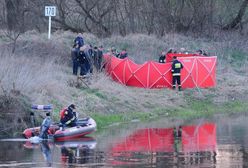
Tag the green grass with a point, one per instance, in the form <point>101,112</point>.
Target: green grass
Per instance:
<point>96,92</point>
<point>234,107</point>
<point>104,120</point>
<point>198,109</point>
<point>57,107</point>
<point>195,109</point>
<point>236,57</point>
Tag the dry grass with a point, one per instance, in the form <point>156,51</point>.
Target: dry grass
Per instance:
<point>35,77</point>
<point>41,70</point>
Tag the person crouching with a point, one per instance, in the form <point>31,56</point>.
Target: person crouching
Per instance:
<point>67,116</point>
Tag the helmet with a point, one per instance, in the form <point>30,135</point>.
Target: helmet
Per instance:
<point>72,106</point>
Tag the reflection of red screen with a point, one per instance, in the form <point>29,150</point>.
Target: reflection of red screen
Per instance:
<point>194,138</point>
<point>199,138</point>
<point>158,139</point>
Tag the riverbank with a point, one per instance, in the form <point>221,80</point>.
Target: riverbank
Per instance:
<point>193,110</point>
<point>39,72</point>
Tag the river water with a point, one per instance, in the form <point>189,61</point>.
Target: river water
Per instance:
<point>216,142</point>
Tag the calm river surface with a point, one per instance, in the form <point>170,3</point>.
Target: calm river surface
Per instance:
<point>217,142</point>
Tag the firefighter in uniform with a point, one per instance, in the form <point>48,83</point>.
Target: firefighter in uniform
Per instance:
<point>68,116</point>
<point>176,73</point>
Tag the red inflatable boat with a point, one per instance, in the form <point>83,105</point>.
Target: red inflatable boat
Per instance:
<point>84,126</point>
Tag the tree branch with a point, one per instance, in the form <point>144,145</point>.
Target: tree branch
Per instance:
<point>238,18</point>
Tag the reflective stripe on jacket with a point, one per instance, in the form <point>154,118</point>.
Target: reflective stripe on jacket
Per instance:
<point>176,68</point>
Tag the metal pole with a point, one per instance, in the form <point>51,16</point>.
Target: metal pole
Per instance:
<point>49,28</point>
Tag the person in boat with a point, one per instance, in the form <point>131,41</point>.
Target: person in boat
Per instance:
<point>68,116</point>
<point>162,57</point>
<point>176,73</point>
<point>45,126</point>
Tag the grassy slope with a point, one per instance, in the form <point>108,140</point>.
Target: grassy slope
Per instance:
<point>41,71</point>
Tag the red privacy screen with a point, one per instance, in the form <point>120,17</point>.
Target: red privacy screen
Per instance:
<point>198,71</point>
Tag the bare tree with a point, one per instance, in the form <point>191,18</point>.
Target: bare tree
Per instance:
<point>237,20</point>
<point>12,36</point>
<point>105,17</point>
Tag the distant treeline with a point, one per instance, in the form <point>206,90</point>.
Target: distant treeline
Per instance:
<point>107,17</point>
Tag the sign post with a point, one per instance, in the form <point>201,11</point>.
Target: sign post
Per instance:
<point>50,11</point>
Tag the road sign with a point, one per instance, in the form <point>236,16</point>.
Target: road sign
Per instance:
<point>50,10</point>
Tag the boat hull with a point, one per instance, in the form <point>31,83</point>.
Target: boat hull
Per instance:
<point>84,126</point>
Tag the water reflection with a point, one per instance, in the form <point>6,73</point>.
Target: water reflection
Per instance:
<point>192,145</point>
<point>46,152</point>
<point>78,151</point>
<point>183,145</point>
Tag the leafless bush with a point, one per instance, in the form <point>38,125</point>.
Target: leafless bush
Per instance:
<point>107,17</point>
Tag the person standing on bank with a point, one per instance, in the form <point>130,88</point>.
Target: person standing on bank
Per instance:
<point>176,73</point>
<point>99,58</point>
<point>81,58</point>
<point>162,57</point>
<point>79,41</point>
<point>75,64</point>
<point>89,59</point>
<point>123,54</point>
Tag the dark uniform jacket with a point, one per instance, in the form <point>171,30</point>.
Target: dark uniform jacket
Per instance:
<point>161,59</point>
<point>81,57</point>
<point>68,117</point>
<point>74,53</point>
<point>176,68</point>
